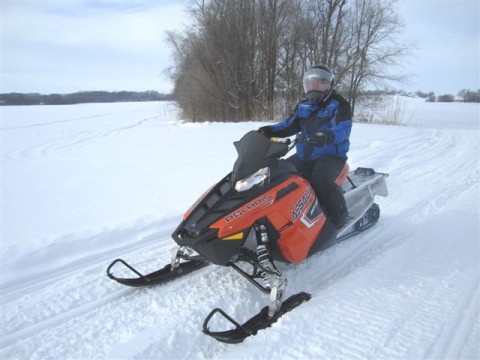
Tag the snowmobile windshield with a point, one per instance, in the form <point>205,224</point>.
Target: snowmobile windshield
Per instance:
<point>255,151</point>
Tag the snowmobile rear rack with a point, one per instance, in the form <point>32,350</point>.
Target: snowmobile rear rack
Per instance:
<point>256,323</point>
<point>157,277</point>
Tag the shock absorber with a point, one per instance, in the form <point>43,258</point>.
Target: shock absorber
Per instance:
<point>263,253</point>
<point>272,278</point>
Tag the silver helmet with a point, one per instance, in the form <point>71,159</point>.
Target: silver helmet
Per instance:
<point>318,83</point>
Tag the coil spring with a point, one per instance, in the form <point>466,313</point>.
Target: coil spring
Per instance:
<point>264,261</point>
<point>263,254</point>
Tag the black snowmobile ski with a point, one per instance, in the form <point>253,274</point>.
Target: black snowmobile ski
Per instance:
<point>160,276</point>
<point>256,323</point>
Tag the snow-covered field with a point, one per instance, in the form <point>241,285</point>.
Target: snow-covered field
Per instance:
<point>85,184</point>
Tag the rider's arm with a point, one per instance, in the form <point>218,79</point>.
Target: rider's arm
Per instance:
<point>288,127</point>
<point>343,121</point>
<point>342,131</point>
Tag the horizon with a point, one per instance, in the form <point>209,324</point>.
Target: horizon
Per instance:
<point>384,90</point>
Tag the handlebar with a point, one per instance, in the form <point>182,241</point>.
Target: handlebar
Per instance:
<point>280,140</point>
<point>290,144</point>
<point>307,141</point>
<point>298,139</point>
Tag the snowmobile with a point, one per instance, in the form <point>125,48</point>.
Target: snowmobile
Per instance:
<point>262,213</point>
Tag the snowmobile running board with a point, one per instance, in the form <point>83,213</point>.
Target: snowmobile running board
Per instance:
<point>256,323</point>
<point>157,277</point>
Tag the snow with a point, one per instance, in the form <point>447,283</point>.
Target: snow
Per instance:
<point>85,184</point>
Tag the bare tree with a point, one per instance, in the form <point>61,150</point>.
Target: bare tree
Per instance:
<point>226,65</point>
<point>315,37</point>
<point>373,49</point>
<point>244,59</point>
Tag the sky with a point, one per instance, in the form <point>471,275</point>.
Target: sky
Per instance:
<point>446,34</point>
<point>62,46</point>
<point>73,45</point>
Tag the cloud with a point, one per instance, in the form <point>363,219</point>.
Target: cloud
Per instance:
<point>102,41</point>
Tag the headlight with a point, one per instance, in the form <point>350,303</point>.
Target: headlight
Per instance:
<point>258,178</point>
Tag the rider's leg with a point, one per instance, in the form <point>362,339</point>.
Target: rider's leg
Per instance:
<point>325,170</point>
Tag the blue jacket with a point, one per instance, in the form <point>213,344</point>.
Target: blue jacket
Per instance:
<point>335,115</point>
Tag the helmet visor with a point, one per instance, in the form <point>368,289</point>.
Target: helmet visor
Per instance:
<point>317,80</point>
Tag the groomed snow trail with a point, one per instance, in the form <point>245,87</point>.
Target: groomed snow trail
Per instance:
<point>406,288</point>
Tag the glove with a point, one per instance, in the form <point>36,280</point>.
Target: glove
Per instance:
<point>266,131</point>
<point>324,137</point>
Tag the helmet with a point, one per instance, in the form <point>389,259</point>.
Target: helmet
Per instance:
<point>318,83</point>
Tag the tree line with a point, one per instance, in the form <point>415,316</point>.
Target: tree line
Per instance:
<point>81,97</point>
<point>245,59</point>
<point>465,95</point>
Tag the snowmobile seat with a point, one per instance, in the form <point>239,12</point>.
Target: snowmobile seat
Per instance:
<point>342,177</point>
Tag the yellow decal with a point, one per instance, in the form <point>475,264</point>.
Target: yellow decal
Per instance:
<point>237,236</point>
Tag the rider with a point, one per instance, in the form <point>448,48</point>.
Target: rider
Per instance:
<point>324,122</point>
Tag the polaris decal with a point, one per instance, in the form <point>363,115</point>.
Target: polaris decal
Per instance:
<point>253,205</point>
<point>301,203</point>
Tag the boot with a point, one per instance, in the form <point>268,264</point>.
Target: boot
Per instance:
<point>340,217</point>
